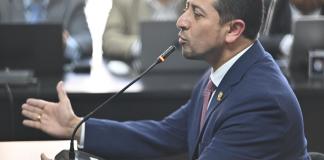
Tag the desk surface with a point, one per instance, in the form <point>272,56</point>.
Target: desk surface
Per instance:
<point>31,150</point>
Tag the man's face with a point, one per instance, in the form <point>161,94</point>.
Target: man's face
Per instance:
<point>201,34</point>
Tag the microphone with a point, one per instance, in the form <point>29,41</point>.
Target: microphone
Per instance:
<point>80,155</point>
<point>269,18</point>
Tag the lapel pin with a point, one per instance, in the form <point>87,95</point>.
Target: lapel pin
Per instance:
<point>220,96</point>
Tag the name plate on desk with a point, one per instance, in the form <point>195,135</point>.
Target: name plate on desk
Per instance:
<point>316,64</point>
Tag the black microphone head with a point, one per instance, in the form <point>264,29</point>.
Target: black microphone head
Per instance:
<point>166,54</point>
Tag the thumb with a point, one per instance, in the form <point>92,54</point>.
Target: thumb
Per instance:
<point>61,91</point>
<point>43,157</point>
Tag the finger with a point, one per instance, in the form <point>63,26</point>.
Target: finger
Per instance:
<point>32,109</point>
<point>61,91</point>
<point>31,115</point>
<point>43,157</point>
<point>32,124</point>
<point>37,103</point>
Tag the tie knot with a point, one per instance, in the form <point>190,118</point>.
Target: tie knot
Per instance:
<point>210,86</point>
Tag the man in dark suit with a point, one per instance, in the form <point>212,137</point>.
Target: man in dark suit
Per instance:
<point>252,114</point>
<point>69,13</point>
<point>279,40</point>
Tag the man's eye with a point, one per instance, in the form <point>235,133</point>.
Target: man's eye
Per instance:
<point>197,14</point>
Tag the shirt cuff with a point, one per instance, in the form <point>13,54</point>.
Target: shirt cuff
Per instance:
<point>81,140</point>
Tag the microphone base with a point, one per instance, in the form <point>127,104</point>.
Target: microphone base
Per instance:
<point>79,155</point>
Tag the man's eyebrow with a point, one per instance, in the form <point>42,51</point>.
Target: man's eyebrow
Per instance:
<point>201,9</point>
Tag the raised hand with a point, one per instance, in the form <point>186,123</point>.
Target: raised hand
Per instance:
<point>54,118</point>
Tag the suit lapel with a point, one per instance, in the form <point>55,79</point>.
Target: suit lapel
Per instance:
<point>232,77</point>
<point>197,116</point>
<point>212,107</point>
<point>217,99</point>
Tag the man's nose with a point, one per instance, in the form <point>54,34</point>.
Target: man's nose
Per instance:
<point>182,22</point>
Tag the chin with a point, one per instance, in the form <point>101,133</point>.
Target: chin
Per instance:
<point>191,55</point>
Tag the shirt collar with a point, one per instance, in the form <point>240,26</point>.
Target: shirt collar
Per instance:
<point>219,74</point>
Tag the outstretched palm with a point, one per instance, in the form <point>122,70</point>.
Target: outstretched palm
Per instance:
<point>56,119</point>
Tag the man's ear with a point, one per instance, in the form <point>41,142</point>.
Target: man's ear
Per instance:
<point>236,29</point>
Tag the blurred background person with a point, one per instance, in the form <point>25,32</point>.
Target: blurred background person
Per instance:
<point>121,39</point>
<point>280,38</point>
<point>69,13</point>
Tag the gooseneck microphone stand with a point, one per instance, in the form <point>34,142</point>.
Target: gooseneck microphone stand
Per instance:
<point>80,155</point>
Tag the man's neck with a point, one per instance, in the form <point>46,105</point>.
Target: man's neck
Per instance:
<point>231,50</point>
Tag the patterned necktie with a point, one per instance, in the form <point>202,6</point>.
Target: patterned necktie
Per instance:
<point>210,87</point>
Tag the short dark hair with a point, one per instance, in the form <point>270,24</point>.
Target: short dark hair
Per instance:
<point>250,11</point>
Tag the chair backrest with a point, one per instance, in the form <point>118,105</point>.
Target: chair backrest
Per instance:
<point>308,36</point>
<point>316,156</point>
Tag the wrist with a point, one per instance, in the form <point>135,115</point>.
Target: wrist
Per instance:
<point>73,124</point>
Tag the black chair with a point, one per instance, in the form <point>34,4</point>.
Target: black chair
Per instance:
<point>316,156</point>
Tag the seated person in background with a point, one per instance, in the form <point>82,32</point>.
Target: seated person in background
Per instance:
<point>121,37</point>
<point>280,40</point>
<point>69,13</point>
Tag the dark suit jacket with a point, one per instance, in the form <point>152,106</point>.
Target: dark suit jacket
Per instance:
<point>69,13</point>
<point>281,25</point>
<point>257,117</point>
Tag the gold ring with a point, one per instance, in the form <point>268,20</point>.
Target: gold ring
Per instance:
<point>39,117</point>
